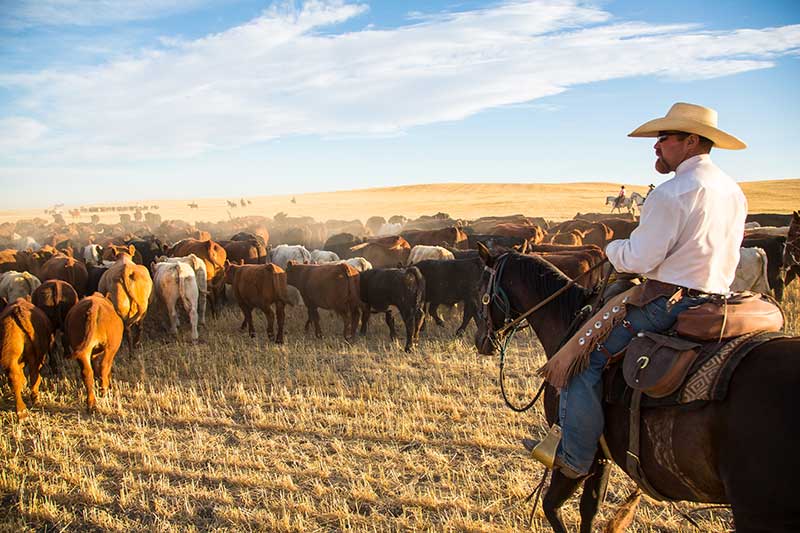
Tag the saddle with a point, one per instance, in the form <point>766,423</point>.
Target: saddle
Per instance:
<point>658,364</point>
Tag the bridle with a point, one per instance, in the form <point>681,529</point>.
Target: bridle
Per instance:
<point>501,338</point>
<point>792,249</point>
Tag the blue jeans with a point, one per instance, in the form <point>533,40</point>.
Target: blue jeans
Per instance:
<point>580,409</point>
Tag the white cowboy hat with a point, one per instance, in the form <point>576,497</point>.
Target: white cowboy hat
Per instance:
<point>691,119</point>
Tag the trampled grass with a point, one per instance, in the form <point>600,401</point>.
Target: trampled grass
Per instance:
<point>237,434</point>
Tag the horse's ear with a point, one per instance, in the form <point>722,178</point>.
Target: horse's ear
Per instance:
<point>484,254</point>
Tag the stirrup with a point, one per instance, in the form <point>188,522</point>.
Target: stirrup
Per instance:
<point>545,451</point>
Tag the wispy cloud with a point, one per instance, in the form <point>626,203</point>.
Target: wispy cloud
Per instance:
<point>279,76</point>
<point>30,13</point>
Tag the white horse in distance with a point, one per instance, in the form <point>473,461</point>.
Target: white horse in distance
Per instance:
<point>631,203</point>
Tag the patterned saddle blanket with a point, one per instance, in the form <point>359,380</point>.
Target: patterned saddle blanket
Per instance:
<point>707,379</point>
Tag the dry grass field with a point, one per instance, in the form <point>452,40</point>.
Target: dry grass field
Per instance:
<point>238,434</point>
<point>460,200</point>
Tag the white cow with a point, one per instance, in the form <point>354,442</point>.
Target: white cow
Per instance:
<point>387,229</point>
<point>25,243</point>
<point>92,254</point>
<point>173,282</point>
<point>199,268</point>
<point>323,256</point>
<point>359,263</point>
<point>773,231</point>
<point>283,253</point>
<point>751,272</point>
<point>15,285</point>
<point>421,252</point>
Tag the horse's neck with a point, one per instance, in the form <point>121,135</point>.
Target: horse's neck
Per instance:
<point>548,323</point>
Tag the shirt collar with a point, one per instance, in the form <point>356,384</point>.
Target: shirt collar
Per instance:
<point>691,163</point>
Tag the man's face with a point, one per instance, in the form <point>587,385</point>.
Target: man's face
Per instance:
<point>671,149</point>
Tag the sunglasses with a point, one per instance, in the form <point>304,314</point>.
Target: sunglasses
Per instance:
<point>667,134</point>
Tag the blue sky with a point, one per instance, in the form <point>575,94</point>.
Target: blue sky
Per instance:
<point>118,100</point>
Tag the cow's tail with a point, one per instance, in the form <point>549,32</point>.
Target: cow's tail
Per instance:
<point>127,279</point>
<point>419,299</point>
<point>70,271</point>
<point>60,306</point>
<point>24,325</point>
<point>84,349</point>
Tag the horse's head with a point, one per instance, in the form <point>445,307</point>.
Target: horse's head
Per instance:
<point>491,313</point>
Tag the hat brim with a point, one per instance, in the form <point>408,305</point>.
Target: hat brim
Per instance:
<point>720,139</point>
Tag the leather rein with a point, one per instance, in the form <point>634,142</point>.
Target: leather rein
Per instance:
<point>494,292</point>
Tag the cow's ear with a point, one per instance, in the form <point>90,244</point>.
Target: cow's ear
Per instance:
<point>132,249</point>
<point>485,254</point>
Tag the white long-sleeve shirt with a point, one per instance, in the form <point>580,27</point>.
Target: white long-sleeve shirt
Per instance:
<point>690,230</point>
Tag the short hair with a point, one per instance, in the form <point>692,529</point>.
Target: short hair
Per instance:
<point>706,143</point>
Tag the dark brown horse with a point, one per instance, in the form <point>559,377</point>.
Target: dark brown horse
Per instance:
<point>741,451</point>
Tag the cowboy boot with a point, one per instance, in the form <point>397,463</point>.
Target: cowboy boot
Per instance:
<point>544,451</point>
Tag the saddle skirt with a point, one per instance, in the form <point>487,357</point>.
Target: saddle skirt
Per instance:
<point>705,379</point>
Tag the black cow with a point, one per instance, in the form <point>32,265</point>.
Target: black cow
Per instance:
<point>449,282</point>
<point>94,273</point>
<point>769,219</point>
<point>773,246</point>
<point>149,247</point>
<point>403,288</point>
<point>341,243</point>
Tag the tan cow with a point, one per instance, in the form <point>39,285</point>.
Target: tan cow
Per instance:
<point>387,252</point>
<point>128,286</point>
<point>26,337</point>
<point>94,332</point>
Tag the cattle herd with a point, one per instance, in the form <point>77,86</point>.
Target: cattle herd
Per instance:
<point>77,290</point>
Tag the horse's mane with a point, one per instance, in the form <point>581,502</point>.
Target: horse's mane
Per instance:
<point>543,277</point>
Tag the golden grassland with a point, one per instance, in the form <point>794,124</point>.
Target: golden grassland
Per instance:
<point>238,434</point>
<point>460,200</point>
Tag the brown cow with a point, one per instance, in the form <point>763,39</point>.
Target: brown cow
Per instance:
<point>329,286</point>
<point>26,336</point>
<point>66,269</point>
<point>387,252</point>
<point>259,287</point>
<point>214,256</point>
<point>55,298</point>
<point>94,332</point>
<point>8,260</point>
<point>32,262</point>
<point>248,251</point>
<point>453,236</point>
<point>571,237</point>
<point>530,232</point>
<point>128,286</point>
<point>200,235</point>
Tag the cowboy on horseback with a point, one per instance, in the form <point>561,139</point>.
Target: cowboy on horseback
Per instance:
<point>686,246</point>
<point>620,201</point>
